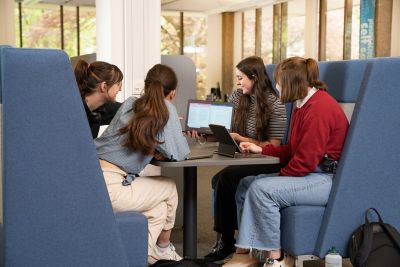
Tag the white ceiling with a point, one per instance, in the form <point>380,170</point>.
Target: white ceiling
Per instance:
<point>213,6</point>
<point>206,6</point>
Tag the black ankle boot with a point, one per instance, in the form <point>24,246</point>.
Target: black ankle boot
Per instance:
<point>220,251</point>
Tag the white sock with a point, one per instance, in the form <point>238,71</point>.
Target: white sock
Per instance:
<point>163,246</point>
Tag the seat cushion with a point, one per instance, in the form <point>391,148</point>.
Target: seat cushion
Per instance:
<point>299,228</point>
<point>133,228</point>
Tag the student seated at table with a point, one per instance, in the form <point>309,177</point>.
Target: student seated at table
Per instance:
<point>318,130</point>
<point>259,118</point>
<point>99,84</point>
<point>144,128</point>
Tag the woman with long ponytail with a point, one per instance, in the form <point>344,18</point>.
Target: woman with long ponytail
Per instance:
<point>144,128</point>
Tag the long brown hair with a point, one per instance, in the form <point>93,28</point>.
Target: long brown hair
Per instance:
<point>295,75</point>
<point>150,113</point>
<point>90,76</point>
<point>254,68</point>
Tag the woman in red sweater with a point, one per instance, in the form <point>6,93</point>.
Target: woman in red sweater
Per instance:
<point>318,130</point>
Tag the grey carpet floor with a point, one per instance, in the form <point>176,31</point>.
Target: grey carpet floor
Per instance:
<point>206,237</point>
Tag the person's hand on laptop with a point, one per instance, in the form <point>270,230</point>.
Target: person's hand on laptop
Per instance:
<point>250,147</point>
<point>193,134</point>
<point>201,138</point>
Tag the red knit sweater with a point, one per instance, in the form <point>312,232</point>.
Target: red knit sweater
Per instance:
<point>318,127</point>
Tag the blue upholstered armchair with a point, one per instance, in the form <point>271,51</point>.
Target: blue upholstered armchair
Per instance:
<point>56,209</point>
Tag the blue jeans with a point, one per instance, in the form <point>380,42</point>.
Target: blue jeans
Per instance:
<point>260,198</point>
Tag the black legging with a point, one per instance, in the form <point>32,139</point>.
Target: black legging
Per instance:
<point>225,184</point>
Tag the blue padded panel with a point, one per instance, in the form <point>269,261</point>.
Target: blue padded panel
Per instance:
<point>56,206</point>
<point>288,106</point>
<point>270,71</point>
<point>1,244</point>
<point>1,75</point>
<point>368,173</point>
<point>299,228</point>
<point>133,229</point>
<point>344,78</point>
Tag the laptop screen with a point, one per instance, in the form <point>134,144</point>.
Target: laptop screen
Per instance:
<point>202,113</point>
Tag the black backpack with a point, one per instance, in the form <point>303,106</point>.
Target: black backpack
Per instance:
<point>375,244</point>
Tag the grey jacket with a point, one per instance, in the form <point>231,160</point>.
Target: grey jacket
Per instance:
<point>109,144</point>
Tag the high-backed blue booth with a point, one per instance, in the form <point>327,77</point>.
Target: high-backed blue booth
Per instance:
<point>367,174</point>
<point>56,209</point>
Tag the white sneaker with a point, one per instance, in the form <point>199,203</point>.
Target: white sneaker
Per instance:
<point>167,253</point>
<point>287,261</point>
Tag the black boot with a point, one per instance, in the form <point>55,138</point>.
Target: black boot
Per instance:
<point>221,250</point>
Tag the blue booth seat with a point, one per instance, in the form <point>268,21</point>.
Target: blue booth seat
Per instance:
<point>56,209</point>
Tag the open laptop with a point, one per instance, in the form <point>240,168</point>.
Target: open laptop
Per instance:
<point>201,113</point>
<point>227,145</point>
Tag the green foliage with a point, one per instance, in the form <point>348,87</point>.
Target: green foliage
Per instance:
<point>41,27</point>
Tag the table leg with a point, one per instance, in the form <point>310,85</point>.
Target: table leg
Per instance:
<point>190,212</point>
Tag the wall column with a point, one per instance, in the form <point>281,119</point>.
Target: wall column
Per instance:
<point>322,30</point>
<point>311,34</point>
<point>228,22</point>
<point>383,24</point>
<point>7,22</point>
<point>280,32</point>
<point>128,35</point>
<point>395,44</point>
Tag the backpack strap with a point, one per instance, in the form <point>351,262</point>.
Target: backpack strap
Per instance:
<point>365,248</point>
<point>377,213</point>
<point>392,232</point>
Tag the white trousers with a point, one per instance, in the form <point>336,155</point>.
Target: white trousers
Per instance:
<point>154,196</point>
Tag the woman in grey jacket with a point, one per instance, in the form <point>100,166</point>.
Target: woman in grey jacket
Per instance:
<point>142,129</point>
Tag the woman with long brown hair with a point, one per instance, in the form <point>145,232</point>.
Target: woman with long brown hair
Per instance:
<point>259,118</point>
<point>144,128</point>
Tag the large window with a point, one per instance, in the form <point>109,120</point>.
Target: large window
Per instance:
<point>267,34</point>
<point>170,33</point>
<point>334,30</point>
<point>87,33</point>
<point>70,31</point>
<point>355,30</point>
<point>295,28</point>
<point>249,33</point>
<point>194,42</point>
<point>40,26</point>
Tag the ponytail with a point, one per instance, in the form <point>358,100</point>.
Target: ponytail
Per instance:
<point>313,75</point>
<point>150,112</point>
<point>81,76</point>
